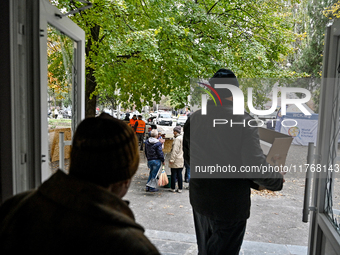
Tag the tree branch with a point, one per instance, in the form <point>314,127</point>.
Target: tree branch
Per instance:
<point>129,56</point>
<point>101,39</point>
<point>124,21</point>
<point>213,6</point>
<point>144,9</point>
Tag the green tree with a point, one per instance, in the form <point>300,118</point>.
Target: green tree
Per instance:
<point>310,60</point>
<point>60,59</point>
<point>310,55</point>
<point>150,48</point>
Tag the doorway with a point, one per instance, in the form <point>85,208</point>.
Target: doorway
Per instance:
<point>324,233</point>
<point>62,51</point>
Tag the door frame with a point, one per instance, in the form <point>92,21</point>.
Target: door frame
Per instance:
<point>321,230</point>
<point>51,15</point>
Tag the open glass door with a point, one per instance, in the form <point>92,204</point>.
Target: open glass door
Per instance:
<point>62,53</point>
<point>324,236</point>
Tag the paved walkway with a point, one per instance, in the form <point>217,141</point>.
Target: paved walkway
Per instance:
<point>274,227</point>
<point>170,243</point>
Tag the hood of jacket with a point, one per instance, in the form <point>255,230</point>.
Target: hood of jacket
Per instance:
<point>153,140</point>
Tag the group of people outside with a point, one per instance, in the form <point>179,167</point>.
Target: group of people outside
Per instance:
<point>138,125</point>
<point>83,212</point>
<point>155,158</point>
<point>154,146</point>
<point>54,113</point>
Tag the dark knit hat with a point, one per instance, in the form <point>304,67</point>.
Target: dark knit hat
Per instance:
<point>104,151</point>
<point>224,76</point>
<point>178,129</point>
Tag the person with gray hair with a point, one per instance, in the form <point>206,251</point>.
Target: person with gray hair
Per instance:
<point>155,156</point>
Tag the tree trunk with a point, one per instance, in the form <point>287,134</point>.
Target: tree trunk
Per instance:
<point>91,84</point>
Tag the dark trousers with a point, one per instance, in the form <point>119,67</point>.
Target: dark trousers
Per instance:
<point>187,172</point>
<point>140,137</point>
<point>217,237</point>
<point>176,173</point>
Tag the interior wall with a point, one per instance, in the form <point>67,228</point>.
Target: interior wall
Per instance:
<point>6,178</point>
<point>20,152</point>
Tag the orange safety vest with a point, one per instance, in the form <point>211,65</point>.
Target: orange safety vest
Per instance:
<point>141,127</point>
<point>132,122</point>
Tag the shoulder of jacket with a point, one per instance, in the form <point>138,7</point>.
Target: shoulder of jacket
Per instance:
<point>22,195</point>
<point>178,138</point>
<point>248,116</point>
<point>15,201</point>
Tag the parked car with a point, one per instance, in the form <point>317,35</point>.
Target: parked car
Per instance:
<point>135,113</point>
<point>67,113</point>
<point>148,127</point>
<point>267,118</point>
<point>181,120</point>
<point>164,119</point>
<point>154,114</point>
<point>151,119</point>
<point>122,116</point>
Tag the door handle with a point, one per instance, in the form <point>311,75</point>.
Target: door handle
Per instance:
<point>310,160</point>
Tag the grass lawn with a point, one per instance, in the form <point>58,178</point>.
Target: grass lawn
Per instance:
<point>53,123</point>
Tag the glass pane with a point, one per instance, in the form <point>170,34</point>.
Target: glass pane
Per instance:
<point>329,250</point>
<point>332,203</point>
<point>333,196</point>
<point>60,57</point>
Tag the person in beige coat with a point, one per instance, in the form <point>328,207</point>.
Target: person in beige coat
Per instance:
<point>176,161</point>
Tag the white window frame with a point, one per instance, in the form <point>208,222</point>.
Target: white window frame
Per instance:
<point>69,28</point>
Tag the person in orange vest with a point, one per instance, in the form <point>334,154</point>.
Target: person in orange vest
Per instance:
<point>133,121</point>
<point>140,130</point>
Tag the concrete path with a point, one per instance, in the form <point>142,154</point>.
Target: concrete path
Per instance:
<point>275,225</point>
<point>170,243</point>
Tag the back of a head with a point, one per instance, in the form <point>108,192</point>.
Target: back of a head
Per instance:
<point>224,76</point>
<point>154,133</point>
<point>104,151</point>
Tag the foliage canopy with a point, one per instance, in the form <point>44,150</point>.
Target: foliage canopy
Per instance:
<point>148,48</point>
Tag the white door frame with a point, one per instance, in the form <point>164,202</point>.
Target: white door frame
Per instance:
<point>323,238</point>
<point>69,28</point>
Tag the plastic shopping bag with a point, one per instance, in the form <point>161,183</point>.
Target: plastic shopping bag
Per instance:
<point>163,178</point>
<point>153,182</point>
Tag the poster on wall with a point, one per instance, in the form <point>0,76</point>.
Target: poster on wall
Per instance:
<point>303,128</point>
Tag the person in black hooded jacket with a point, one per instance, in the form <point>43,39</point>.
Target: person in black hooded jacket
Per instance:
<point>155,156</point>
<point>221,203</point>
